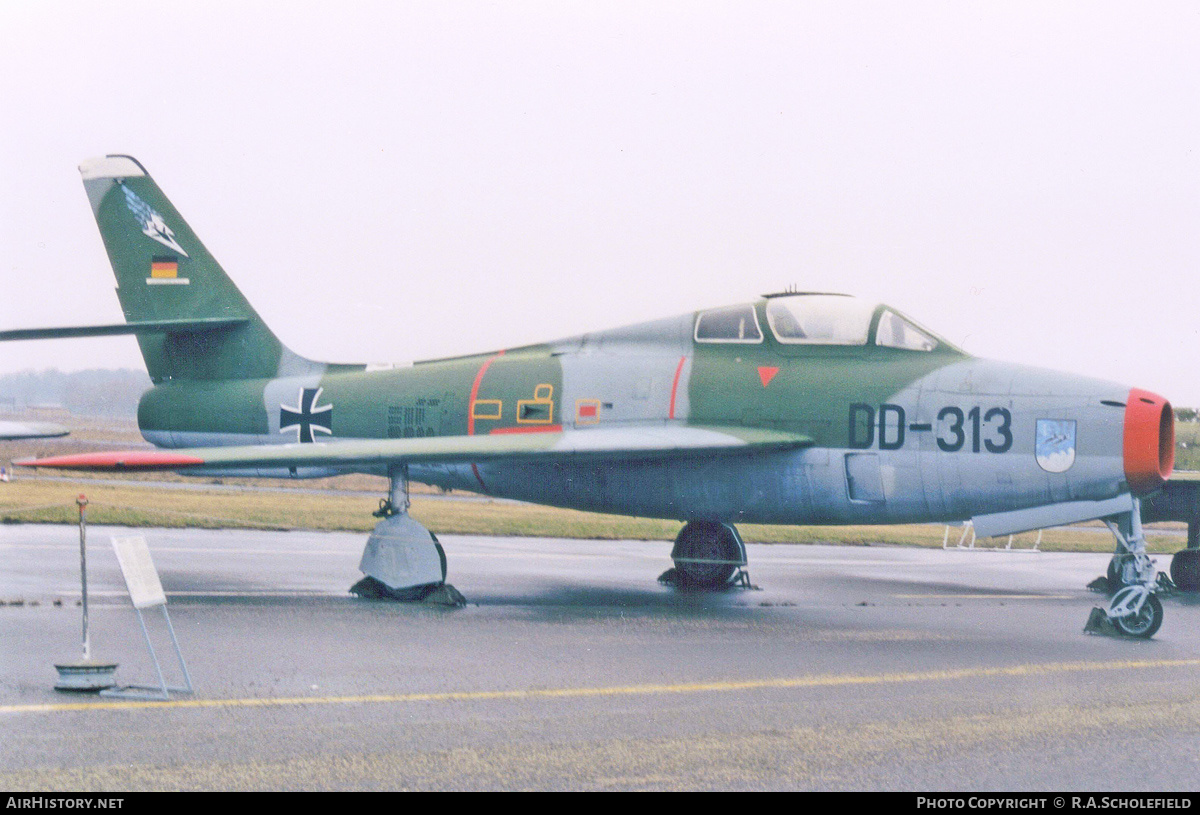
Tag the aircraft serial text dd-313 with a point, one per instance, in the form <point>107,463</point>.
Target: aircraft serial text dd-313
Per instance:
<point>806,408</point>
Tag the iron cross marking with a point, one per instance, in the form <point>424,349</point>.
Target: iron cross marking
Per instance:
<point>306,417</point>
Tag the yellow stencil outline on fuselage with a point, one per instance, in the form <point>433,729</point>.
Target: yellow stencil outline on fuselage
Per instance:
<point>538,399</point>
<point>580,418</point>
<point>476,414</point>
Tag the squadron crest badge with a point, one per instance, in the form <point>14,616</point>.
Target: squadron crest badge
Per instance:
<point>153,225</point>
<point>1055,444</point>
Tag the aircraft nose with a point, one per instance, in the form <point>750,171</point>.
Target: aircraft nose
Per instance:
<point>1149,447</point>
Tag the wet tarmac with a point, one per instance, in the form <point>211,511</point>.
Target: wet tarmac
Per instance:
<point>572,668</point>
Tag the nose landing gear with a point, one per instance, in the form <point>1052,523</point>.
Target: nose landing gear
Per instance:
<point>1134,610</point>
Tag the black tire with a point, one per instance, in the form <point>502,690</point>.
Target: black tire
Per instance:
<point>705,541</point>
<point>1145,623</point>
<point>1116,570</point>
<point>441,554</point>
<point>1185,569</point>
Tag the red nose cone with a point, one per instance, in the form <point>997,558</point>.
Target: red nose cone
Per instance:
<point>1149,440</point>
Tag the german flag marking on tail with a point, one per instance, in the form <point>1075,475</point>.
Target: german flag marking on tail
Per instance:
<point>165,270</point>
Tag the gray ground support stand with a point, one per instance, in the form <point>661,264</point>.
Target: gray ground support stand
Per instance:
<point>708,556</point>
<point>402,559</point>
<point>145,590</point>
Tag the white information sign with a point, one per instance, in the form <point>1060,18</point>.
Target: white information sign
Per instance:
<point>145,589</point>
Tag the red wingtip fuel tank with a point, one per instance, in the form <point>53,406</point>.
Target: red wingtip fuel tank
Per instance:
<point>1149,440</point>
<point>126,460</point>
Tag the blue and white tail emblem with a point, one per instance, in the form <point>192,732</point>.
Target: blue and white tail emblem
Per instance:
<point>153,225</point>
<point>1055,445</point>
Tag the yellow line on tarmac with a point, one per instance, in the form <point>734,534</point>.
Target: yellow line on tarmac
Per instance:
<point>834,680</point>
<point>977,596</point>
<point>272,593</point>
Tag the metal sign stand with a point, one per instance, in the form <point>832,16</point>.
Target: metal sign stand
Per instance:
<point>969,529</point>
<point>145,590</point>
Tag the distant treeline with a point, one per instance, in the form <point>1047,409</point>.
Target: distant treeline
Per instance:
<point>96,392</point>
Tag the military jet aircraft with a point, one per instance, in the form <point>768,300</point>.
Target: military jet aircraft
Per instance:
<point>796,407</point>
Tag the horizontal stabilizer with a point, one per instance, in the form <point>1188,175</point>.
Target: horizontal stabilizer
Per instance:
<point>116,329</point>
<point>549,447</point>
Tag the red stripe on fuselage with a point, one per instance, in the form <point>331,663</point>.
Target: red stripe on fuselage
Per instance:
<point>475,393</point>
<point>544,428</point>
<point>675,386</point>
<point>471,409</point>
<point>478,477</point>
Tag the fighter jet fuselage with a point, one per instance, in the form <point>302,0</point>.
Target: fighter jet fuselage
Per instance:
<point>898,431</point>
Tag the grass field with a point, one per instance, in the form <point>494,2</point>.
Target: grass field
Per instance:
<point>28,500</point>
<point>1187,445</point>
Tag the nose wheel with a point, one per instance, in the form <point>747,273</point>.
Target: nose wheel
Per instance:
<point>1142,612</point>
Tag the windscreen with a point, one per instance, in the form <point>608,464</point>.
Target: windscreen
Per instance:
<point>820,319</point>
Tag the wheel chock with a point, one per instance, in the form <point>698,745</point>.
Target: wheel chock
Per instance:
<point>437,594</point>
<point>1099,623</point>
<point>445,595</point>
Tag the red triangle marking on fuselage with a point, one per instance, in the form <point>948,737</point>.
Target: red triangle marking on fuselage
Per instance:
<point>767,374</point>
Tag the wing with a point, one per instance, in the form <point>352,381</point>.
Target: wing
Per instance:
<point>30,430</point>
<point>601,443</point>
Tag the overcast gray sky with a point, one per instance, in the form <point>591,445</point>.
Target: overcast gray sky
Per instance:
<point>397,181</point>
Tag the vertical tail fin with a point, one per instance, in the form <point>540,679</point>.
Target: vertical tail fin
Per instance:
<point>164,273</point>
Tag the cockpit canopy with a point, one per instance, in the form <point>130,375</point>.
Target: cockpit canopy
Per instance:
<point>815,319</point>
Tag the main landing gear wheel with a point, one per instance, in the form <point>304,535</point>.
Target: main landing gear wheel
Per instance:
<point>1185,569</point>
<point>1145,622</point>
<point>707,555</point>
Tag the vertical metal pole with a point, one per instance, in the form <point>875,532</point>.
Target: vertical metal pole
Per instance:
<point>83,502</point>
